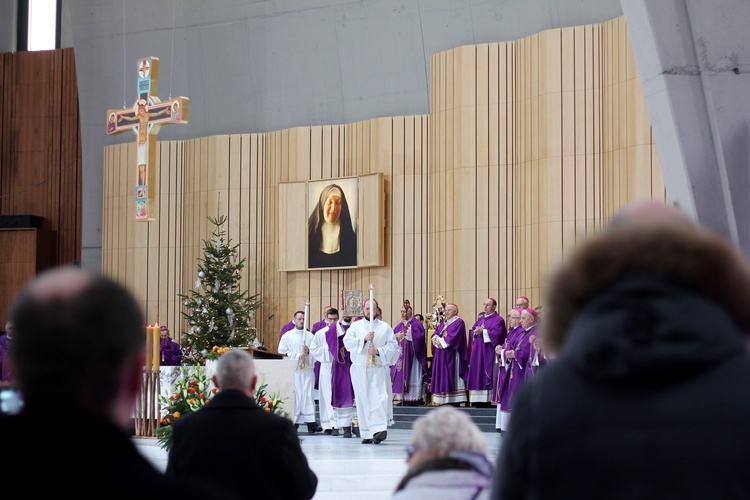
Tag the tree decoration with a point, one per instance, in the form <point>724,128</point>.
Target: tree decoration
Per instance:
<point>214,325</point>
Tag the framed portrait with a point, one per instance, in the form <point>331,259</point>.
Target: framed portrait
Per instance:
<point>343,221</point>
<point>332,223</point>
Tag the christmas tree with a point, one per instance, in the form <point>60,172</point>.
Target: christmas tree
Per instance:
<point>218,312</point>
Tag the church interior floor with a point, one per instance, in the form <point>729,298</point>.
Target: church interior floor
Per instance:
<point>344,466</point>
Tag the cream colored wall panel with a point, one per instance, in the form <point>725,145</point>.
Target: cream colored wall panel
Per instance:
<point>639,126</point>
<point>639,163</point>
<point>399,193</point>
<point>292,217</point>
<point>326,153</point>
<point>247,193</point>
<point>494,90</point>
<point>234,185</point>
<point>313,166</point>
<point>551,127</point>
<point>550,64</point>
<point>372,201</point>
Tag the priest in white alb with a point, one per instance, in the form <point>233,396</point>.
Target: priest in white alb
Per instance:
<point>373,348</point>
<point>295,344</point>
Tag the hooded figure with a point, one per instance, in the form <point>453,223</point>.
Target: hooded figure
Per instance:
<point>648,397</point>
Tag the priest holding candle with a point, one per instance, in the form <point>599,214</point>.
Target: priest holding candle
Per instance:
<point>373,348</point>
<point>295,344</point>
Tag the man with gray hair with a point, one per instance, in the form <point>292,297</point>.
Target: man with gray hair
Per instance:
<point>232,442</point>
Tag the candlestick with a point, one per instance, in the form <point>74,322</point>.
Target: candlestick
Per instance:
<point>307,310</point>
<point>157,347</point>
<point>303,364</point>
<point>149,348</point>
<point>371,360</point>
<point>372,302</point>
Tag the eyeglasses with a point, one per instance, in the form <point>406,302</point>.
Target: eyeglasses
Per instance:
<point>411,450</point>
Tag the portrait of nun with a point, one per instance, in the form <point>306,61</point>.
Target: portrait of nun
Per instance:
<point>331,236</point>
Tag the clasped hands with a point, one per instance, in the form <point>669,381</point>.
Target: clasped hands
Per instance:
<point>303,354</point>
<point>509,353</point>
<point>436,342</point>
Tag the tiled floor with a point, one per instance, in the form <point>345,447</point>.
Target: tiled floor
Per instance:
<point>345,466</point>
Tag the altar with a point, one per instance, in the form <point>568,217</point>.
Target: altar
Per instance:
<point>277,373</point>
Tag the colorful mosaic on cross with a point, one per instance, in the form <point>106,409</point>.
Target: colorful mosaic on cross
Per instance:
<point>145,119</point>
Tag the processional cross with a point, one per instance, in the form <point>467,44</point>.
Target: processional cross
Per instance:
<point>145,119</point>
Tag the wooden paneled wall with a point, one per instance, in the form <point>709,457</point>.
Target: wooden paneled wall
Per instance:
<point>530,147</point>
<point>536,143</point>
<point>40,158</point>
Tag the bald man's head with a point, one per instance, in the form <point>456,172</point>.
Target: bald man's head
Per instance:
<point>75,331</point>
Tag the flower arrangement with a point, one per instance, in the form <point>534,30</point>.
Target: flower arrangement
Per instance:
<point>272,403</point>
<point>216,351</point>
<point>192,391</point>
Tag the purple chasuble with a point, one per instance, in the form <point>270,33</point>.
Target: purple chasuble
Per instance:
<point>171,354</point>
<point>444,360</point>
<point>482,360</point>
<point>510,380</point>
<point>401,371</point>
<point>342,391</point>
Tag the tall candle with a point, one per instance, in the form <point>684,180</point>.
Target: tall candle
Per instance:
<point>307,310</point>
<point>149,348</point>
<point>372,302</point>
<point>157,347</point>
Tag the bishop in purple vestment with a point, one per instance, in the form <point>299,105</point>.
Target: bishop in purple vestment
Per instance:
<point>450,359</point>
<point>411,367</point>
<point>514,364</point>
<point>488,332</point>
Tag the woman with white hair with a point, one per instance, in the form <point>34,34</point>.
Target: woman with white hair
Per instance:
<point>447,459</point>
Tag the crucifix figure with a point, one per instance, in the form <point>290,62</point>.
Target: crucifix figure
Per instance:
<point>145,119</point>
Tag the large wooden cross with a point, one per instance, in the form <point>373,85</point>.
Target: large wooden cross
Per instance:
<point>145,119</point>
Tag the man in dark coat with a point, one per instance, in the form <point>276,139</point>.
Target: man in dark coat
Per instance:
<point>648,397</point>
<point>79,351</point>
<point>232,442</point>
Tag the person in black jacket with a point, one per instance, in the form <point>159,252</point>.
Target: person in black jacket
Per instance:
<point>232,442</point>
<point>79,348</point>
<point>648,397</point>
